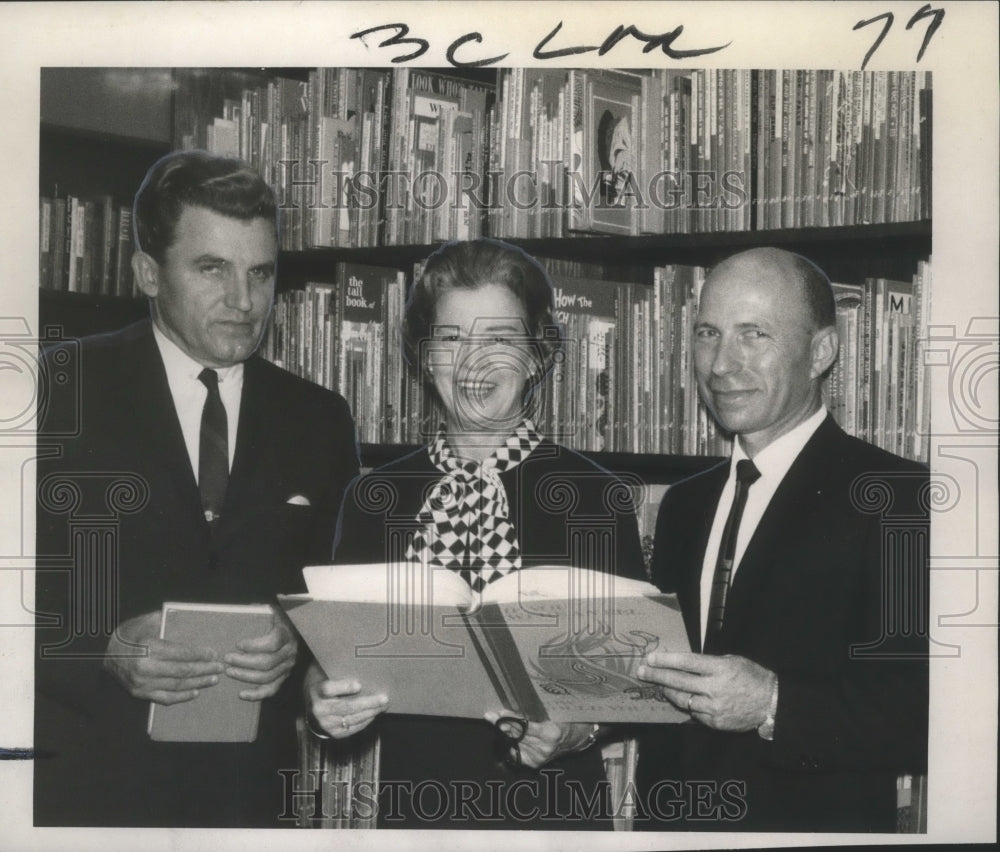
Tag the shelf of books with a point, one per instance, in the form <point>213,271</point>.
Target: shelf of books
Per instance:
<point>86,183</point>
<point>367,157</point>
<point>623,382</point>
<point>85,245</point>
<point>627,186</point>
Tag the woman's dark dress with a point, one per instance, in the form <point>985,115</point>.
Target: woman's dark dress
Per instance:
<point>443,772</point>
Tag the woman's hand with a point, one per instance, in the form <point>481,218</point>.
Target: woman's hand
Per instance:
<point>544,741</point>
<point>337,706</point>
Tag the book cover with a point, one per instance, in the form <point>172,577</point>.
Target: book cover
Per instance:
<point>612,149</point>
<point>581,385</point>
<point>218,714</point>
<point>359,356</point>
<point>891,299</point>
<point>552,642</point>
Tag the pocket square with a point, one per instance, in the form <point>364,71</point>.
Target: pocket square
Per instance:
<point>298,500</point>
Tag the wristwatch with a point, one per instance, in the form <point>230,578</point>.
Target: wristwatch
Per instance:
<point>766,729</point>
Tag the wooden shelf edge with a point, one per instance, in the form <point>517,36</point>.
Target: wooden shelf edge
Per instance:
<point>45,293</point>
<point>699,239</point>
<point>651,467</point>
<point>613,249</point>
<point>160,146</point>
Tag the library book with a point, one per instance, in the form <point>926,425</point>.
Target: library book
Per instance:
<point>217,714</point>
<point>545,643</point>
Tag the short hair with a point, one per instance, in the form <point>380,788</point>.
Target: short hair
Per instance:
<point>196,179</point>
<point>818,292</point>
<point>470,265</point>
<point>816,289</point>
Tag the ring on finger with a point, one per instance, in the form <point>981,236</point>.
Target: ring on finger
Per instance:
<point>344,723</point>
<point>690,699</point>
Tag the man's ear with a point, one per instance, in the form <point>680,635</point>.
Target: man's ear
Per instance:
<point>147,274</point>
<point>825,345</point>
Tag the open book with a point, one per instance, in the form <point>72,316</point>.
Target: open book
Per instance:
<point>547,642</point>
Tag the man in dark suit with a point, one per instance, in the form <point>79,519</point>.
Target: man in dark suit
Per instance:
<point>185,469</point>
<point>801,569</point>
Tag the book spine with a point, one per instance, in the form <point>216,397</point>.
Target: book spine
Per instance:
<point>44,241</point>
<point>73,244</point>
<point>502,661</point>
<point>108,242</point>
<point>58,276</point>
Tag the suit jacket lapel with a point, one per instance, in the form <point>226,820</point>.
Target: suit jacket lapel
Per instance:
<point>791,501</point>
<point>157,425</point>
<point>689,580</point>
<point>251,450</point>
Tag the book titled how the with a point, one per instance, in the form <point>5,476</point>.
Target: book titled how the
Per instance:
<point>546,642</point>
<point>217,714</point>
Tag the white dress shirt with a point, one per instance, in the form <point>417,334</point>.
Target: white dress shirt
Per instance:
<point>773,463</point>
<point>189,395</point>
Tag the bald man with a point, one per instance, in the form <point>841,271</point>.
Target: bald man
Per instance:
<point>801,568</point>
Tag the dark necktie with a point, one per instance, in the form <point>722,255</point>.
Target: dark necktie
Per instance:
<point>746,475</point>
<point>213,449</point>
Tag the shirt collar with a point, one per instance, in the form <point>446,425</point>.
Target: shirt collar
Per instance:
<point>777,457</point>
<point>181,366</point>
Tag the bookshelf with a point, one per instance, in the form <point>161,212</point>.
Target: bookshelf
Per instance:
<point>821,155</point>
<point>888,250</point>
<point>777,129</point>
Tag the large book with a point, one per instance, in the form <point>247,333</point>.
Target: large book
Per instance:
<point>891,321</point>
<point>611,150</point>
<point>366,293</point>
<point>217,714</point>
<point>547,643</point>
<point>578,396</point>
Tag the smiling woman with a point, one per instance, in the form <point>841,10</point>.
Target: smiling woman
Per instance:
<point>479,330</point>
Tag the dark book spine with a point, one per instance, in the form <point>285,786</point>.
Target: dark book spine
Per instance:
<point>57,277</point>
<point>108,240</point>
<point>502,661</point>
<point>123,253</point>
